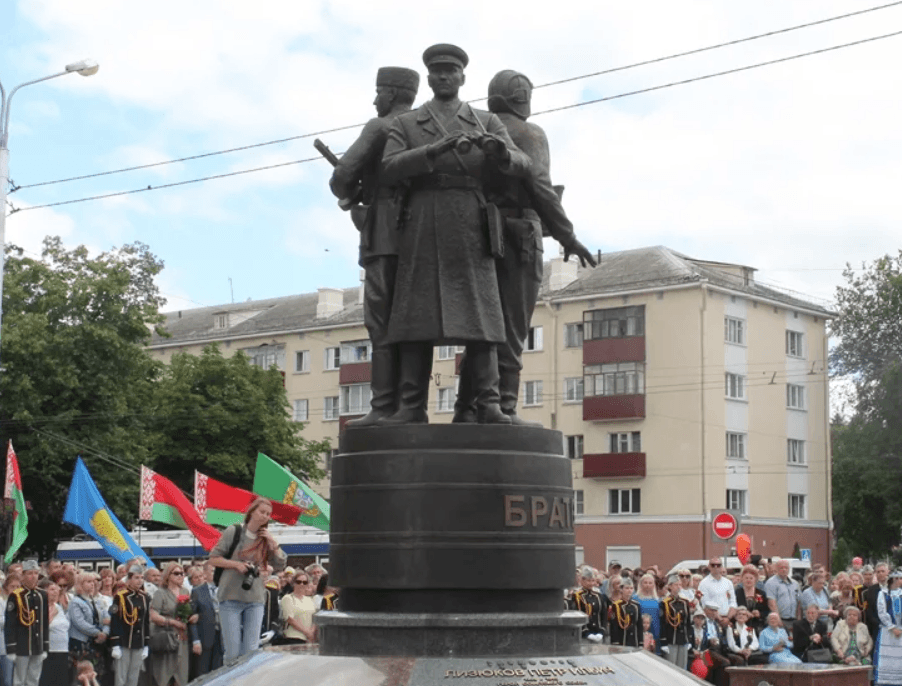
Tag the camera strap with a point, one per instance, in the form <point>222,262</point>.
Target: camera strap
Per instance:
<point>238,531</point>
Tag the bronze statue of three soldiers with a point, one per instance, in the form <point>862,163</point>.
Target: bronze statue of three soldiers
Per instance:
<point>452,203</point>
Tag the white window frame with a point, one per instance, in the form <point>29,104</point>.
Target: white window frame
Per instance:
<point>445,398</point>
<point>301,410</point>
<point>738,499</point>
<point>532,393</point>
<point>447,352</point>
<point>573,389</point>
<point>624,501</point>
<point>625,442</point>
<point>616,378</point>
<point>734,386</point>
<point>222,321</point>
<point>795,452</point>
<point>355,399</point>
<point>332,358</point>
<point>798,506</point>
<point>301,361</point>
<point>573,335</point>
<point>734,330</point>
<point>574,447</point>
<point>795,397</point>
<point>331,405</point>
<point>795,343</point>
<point>614,322</point>
<point>579,502</point>
<point>737,446</point>
<point>534,342</point>
<point>352,352</point>
<point>266,356</point>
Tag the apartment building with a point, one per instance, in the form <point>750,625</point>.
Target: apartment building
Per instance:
<point>680,386</point>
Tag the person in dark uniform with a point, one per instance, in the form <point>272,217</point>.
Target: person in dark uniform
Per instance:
<point>528,206</point>
<point>376,216</point>
<point>130,628</point>
<point>589,601</point>
<point>625,618</point>
<point>27,627</point>
<point>676,624</point>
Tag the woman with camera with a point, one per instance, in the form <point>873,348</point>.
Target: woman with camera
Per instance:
<point>241,551</point>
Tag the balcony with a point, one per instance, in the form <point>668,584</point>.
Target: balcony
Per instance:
<point>355,372</point>
<point>614,466</point>
<point>602,407</point>
<point>604,350</point>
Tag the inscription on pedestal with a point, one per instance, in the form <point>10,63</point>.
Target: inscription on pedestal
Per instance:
<point>538,512</point>
<point>548,672</point>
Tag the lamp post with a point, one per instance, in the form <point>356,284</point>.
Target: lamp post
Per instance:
<point>83,67</point>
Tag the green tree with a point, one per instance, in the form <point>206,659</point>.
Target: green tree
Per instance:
<point>75,372</point>
<point>217,412</point>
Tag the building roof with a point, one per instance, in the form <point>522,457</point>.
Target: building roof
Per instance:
<point>641,269</point>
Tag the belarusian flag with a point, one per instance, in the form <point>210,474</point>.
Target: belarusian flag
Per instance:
<point>277,483</point>
<point>163,501</point>
<point>13,491</point>
<point>221,504</point>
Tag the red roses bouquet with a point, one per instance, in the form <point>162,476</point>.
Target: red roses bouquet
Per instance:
<point>183,608</point>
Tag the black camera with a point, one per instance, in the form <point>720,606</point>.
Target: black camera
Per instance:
<point>249,576</point>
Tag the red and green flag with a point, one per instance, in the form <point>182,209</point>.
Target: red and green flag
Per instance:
<point>163,501</point>
<point>221,504</point>
<point>13,491</point>
<point>273,481</point>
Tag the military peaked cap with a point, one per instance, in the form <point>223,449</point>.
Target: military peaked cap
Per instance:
<point>398,77</point>
<point>445,52</point>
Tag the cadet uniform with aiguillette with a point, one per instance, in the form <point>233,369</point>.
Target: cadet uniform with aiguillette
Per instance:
<point>375,208</point>
<point>130,628</point>
<point>27,628</point>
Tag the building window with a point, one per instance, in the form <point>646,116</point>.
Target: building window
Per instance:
<point>797,506</point>
<point>573,389</point>
<point>794,342</point>
<point>355,399</point>
<point>449,352</point>
<point>734,330</point>
<point>625,501</point>
<point>266,356</point>
<point>623,378</point>
<point>795,396</point>
<point>734,386</point>
<point>327,459</point>
<point>332,358</point>
<point>573,335</point>
<point>738,500</point>
<point>302,361</point>
<point>626,442</point>
<point>579,502</point>
<point>356,351</point>
<point>330,408</point>
<point>795,451</point>
<point>534,339</point>
<point>736,447</point>
<point>532,393</point>
<point>445,400</point>
<point>617,322</point>
<point>301,410</point>
<point>221,321</point>
<point>573,447</point>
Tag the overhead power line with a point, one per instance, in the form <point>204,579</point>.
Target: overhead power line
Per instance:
<point>594,101</point>
<point>603,72</point>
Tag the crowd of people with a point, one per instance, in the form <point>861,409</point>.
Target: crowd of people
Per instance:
<point>139,624</point>
<point>706,620</point>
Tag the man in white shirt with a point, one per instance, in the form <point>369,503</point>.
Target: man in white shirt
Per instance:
<point>718,589</point>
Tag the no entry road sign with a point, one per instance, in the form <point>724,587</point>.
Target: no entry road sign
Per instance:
<point>725,525</point>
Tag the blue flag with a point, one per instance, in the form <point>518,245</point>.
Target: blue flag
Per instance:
<point>87,510</point>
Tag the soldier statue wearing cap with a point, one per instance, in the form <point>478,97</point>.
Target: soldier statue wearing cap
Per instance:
<point>358,173</point>
<point>28,627</point>
<point>130,628</point>
<point>528,205</point>
<point>446,290</point>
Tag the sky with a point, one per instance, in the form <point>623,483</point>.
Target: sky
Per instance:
<point>792,168</point>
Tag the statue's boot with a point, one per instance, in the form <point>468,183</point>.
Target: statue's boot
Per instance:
<point>509,388</point>
<point>384,384</point>
<point>414,370</point>
<point>465,403</point>
<point>484,375</point>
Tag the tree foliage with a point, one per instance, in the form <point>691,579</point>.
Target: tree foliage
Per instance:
<point>867,450</point>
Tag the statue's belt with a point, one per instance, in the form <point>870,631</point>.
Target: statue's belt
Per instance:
<point>441,182</point>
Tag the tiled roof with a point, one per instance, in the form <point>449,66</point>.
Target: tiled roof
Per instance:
<point>628,270</point>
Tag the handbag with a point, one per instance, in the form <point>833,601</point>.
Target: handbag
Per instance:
<point>821,655</point>
<point>164,641</point>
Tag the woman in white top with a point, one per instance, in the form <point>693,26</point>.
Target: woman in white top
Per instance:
<point>741,638</point>
<point>298,610</point>
<point>55,670</point>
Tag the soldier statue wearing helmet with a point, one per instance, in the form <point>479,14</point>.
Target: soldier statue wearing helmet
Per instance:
<point>530,207</point>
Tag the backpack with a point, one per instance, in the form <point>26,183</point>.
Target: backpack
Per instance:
<point>237,529</point>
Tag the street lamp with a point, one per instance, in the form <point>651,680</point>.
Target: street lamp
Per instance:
<point>83,67</point>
